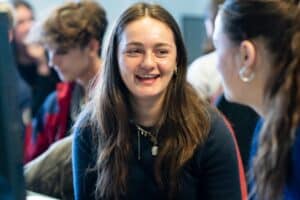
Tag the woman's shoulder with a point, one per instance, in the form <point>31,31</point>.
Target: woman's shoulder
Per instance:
<point>219,126</point>
<point>218,161</point>
<point>84,142</point>
<point>83,129</point>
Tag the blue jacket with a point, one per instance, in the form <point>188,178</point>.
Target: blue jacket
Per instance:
<point>292,186</point>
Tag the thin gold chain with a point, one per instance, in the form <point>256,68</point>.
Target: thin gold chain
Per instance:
<point>152,137</point>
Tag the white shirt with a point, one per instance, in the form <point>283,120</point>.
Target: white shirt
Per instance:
<point>203,75</point>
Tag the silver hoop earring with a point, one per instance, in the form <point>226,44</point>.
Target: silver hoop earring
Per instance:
<point>246,78</point>
<point>175,70</point>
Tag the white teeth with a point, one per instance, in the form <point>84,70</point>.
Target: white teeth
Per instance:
<point>147,76</point>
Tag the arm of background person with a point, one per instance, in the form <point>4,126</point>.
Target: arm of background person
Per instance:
<point>51,172</point>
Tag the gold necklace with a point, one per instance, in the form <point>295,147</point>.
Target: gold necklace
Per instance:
<point>153,138</point>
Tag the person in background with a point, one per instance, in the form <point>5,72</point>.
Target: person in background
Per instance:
<point>260,67</point>
<point>31,60</point>
<point>205,78</point>
<point>202,73</point>
<point>72,35</point>
<point>146,134</point>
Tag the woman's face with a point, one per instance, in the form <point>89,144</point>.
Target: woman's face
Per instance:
<point>228,63</point>
<point>24,22</point>
<point>147,58</point>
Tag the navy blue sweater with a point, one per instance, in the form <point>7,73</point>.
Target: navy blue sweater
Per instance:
<point>215,171</point>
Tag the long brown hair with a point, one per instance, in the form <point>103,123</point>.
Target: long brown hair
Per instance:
<point>277,23</point>
<point>184,120</point>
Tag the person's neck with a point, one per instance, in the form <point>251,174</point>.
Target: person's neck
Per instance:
<point>94,69</point>
<point>260,109</point>
<point>258,105</point>
<point>147,111</point>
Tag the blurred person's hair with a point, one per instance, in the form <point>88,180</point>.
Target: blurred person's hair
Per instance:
<point>22,3</point>
<point>210,14</point>
<point>19,3</point>
<point>212,8</point>
<point>75,24</point>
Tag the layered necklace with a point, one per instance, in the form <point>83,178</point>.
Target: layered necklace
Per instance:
<point>153,137</point>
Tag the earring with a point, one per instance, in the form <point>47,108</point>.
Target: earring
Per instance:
<point>243,75</point>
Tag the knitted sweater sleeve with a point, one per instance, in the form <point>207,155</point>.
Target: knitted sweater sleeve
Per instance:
<point>221,167</point>
<point>84,177</point>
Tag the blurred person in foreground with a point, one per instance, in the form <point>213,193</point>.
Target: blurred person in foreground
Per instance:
<point>6,31</point>
<point>205,78</point>
<point>260,67</point>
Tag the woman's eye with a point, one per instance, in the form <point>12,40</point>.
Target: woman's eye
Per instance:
<point>133,52</point>
<point>162,52</point>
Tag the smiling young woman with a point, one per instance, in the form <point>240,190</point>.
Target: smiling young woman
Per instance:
<point>146,134</point>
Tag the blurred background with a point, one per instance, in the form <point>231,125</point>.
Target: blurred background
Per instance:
<point>189,15</point>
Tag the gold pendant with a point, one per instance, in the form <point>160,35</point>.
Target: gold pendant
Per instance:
<point>154,150</point>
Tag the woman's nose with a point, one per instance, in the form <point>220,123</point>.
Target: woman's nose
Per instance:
<point>149,60</point>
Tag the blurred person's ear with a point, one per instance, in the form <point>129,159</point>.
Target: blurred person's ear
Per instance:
<point>93,47</point>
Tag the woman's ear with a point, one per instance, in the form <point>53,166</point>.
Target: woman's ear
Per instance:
<point>247,57</point>
<point>247,54</point>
